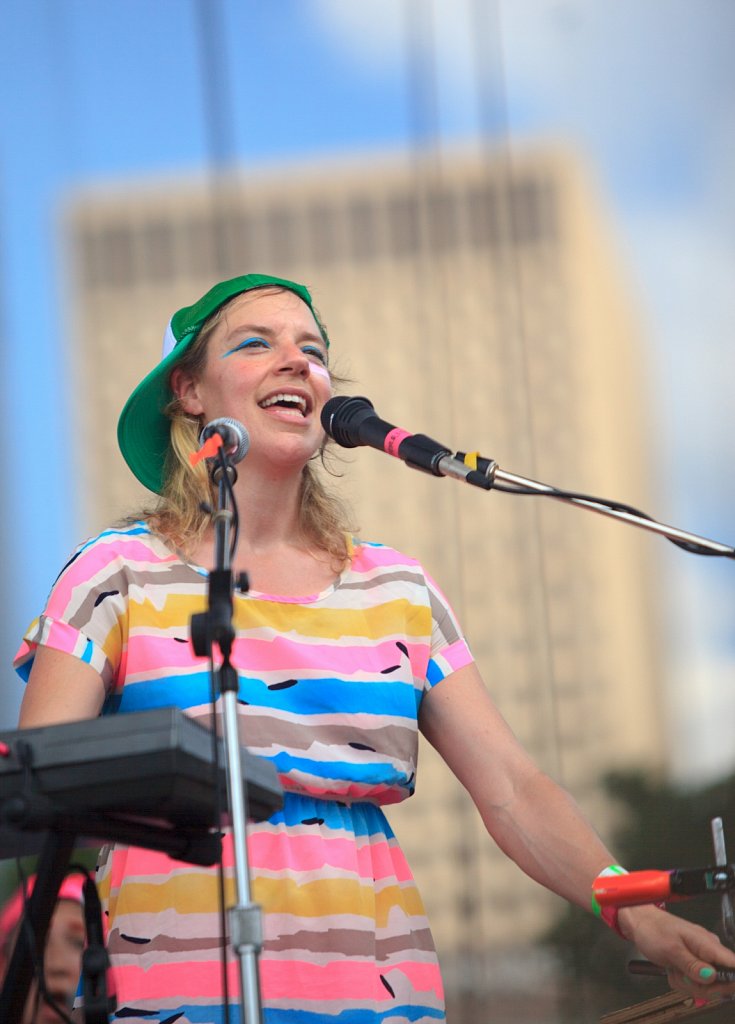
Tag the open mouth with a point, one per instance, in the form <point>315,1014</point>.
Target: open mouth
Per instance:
<point>287,400</point>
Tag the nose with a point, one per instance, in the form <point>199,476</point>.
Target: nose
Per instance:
<point>294,361</point>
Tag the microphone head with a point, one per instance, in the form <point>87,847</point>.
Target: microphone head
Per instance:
<point>342,416</point>
<point>235,437</point>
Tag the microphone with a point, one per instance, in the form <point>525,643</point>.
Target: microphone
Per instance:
<point>639,887</point>
<point>352,422</point>
<point>235,438</point>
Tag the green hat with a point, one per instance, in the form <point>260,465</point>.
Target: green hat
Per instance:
<point>143,431</point>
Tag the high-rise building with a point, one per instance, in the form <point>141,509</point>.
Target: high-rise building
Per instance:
<point>481,303</point>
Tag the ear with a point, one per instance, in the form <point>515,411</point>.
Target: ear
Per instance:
<point>185,388</point>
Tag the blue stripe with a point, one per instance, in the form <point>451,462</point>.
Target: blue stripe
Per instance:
<point>24,670</point>
<point>185,691</point>
<point>360,818</point>
<point>136,530</point>
<point>373,772</point>
<point>434,674</point>
<point>305,697</point>
<point>216,1015</point>
<point>356,1016</point>
<point>87,653</point>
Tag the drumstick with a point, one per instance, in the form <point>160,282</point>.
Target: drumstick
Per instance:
<point>646,967</point>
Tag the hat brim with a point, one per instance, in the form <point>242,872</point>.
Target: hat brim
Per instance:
<point>143,430</point>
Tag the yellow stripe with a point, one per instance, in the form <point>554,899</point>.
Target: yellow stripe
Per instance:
<point>292,619</point>
<point>199,895</point>
<point>336,896</point>
<point>116,640</point>
<point>176,610</point>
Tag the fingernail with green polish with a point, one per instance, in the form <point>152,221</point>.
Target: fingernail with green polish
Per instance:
<point>706,972</point>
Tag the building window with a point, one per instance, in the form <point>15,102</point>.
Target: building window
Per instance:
<point>533,210</point>
<point>198,246</point>
<point>323,238</point>
<point>362,220</point>
<point>90,261</point>
<point>442,219</point>
<point>483,215</point>
<point>243,229</point>
<point>116,258</point>
<point>281,236</point>
<point>526,208</point>
<point>157,244</point>
<point>223,240</point>
<point>404,225</point>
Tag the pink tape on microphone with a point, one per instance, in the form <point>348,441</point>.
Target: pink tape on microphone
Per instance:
<point>393,440</point>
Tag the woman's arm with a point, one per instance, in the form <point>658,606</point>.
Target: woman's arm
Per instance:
<point>538,825</point>
<point>533,820</point>
<point>60,688</point>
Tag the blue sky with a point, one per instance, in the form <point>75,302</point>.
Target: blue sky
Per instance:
<point>106,89</point>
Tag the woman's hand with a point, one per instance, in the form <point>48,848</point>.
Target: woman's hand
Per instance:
<point>690,954</point>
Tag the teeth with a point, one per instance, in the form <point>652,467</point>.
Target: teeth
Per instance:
<point>295,399</point>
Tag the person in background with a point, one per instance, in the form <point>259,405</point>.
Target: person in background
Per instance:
<point>62,956</point>
<point>344,649</point>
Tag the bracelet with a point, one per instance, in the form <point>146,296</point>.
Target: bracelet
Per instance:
<point>609,914</point>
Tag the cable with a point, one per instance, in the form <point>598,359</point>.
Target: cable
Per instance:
<point>575,497</point>
<point>493,111</point>
<point>218,126</point>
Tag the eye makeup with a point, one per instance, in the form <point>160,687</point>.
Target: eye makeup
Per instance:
<point>247,343</point>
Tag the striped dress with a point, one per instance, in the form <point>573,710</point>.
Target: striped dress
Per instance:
<point>330,687</point>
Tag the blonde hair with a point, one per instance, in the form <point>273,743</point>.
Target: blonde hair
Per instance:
<point>180,515</point>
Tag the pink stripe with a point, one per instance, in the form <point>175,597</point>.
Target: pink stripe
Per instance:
<point>393,441</point>
<point>312,853</point>
<point>63,637</point>
<point>321,788</point>
<point>23,654</point>
<point>344,980</point>
<point>190,981</point>
<point>94,561</point>
<point>285,654</point>
<point>338,789</point>
<point>456,655</point>
<point>275,852</point>
<point>369,558</point>
<point>279,980</point>
<point>279,654</point>
<point>148,652</point>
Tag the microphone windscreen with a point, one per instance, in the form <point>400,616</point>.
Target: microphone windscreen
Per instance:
<point>342,417</point>
<point>234,436</point>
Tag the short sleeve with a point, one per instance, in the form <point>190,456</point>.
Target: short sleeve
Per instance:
<point>449,649</point>
<point>86,612</point>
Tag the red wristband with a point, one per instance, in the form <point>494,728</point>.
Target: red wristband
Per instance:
<point>609,914</point>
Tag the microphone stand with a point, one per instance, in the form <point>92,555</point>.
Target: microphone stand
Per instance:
<point>353,421</point>
<point>207,629</point>
<point>486,473</point>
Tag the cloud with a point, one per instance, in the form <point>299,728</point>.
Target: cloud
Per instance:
<point>645,88</point>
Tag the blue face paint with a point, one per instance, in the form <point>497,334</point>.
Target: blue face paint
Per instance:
<point>318,353</point>
<point>247,343</point>
<point>256,342</point>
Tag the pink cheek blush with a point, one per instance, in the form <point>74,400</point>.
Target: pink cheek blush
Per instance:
<point>322,371</point>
